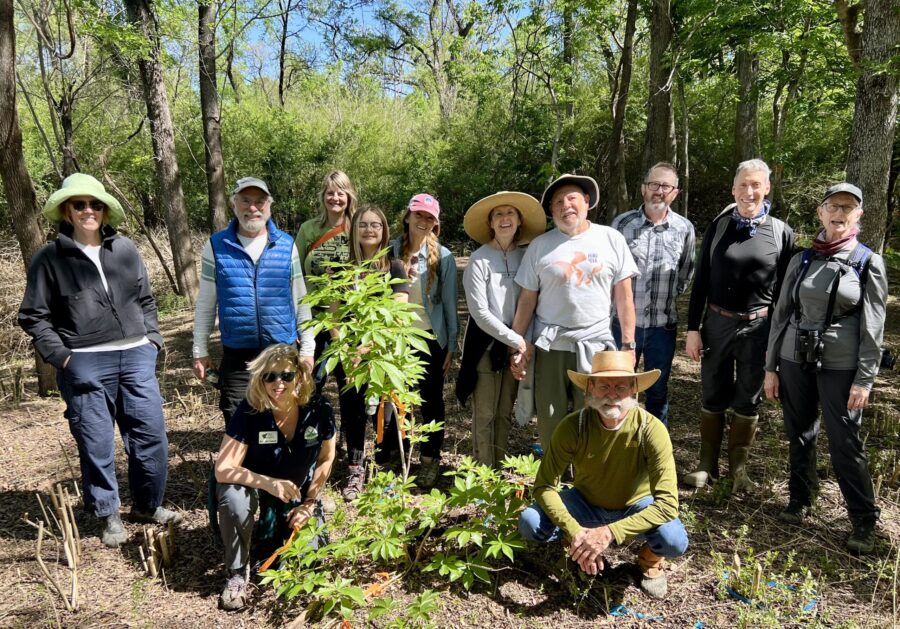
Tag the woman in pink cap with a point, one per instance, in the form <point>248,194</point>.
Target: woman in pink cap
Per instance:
<point>432,285</point>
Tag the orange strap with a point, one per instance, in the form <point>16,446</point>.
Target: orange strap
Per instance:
<point>379,421</point>
<point>331,233</point>
<point>268,562</point>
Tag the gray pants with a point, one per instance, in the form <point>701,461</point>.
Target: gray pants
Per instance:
<point>802,391</point>
<point>238,505</point>
<point>554,394</point>
<point>492,405</point>
<point>732,369</point>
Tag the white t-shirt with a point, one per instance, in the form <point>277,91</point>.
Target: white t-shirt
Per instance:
<point>575,275</point>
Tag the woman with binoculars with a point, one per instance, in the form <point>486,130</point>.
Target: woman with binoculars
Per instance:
<point>825,350</point>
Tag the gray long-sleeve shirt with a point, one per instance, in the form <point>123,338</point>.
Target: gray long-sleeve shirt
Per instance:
<point>491,292</point>
<point>852,342</point>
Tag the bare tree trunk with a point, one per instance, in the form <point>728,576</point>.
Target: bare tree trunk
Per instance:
<point>875,115</point>
<point>569,58</point>
<point>70,162</point>
<point>162,133</point>
<point>282,48</point>
<point>209,104</point>
<point>17,186</point>
<point>618,187</point>
<point>786,92</point>
<point>746,130</point>
<point>660,143</point>
<point>684,198</point>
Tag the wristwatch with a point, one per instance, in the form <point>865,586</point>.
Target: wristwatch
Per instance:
<point>628,345</point>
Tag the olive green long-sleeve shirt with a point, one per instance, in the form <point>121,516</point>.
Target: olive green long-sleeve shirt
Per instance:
<point>613,470</point>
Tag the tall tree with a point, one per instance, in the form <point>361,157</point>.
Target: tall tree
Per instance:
<point>746,125</point>
<point>17,186</point>
<point>875,113</point>
<point>617,186</point>
<point>660,142</point>
<point>209,104</point>
<point>162,133</point>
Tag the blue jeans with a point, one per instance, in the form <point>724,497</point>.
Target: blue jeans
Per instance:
<point>657,346</point>
<point>669,540</point>
<point>101,390</point>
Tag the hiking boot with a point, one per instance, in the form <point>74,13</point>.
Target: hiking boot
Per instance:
<point>429,469</point>
<point>157,516</point>
<point>712,427</point>
<point>114,533</point>
<point>653,576</point>
<point>862,538</point>
<point>235,594</point>
<point>356,479</point>
<point>740,439</point>
<point>794,513</point>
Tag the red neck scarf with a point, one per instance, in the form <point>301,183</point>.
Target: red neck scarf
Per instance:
<point>826,248</point>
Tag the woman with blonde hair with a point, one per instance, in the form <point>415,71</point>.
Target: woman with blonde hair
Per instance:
<point>431,269</point>
<point>326,239</point>
<point>369,234</point>
<point>280,440</point>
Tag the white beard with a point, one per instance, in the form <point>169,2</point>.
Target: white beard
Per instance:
<point>609,408</point>
<point>253,226</point>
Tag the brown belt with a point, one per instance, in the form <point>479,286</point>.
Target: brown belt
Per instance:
<point>743,316</point>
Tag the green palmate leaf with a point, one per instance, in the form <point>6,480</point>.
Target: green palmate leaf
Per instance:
<point>382,606</point>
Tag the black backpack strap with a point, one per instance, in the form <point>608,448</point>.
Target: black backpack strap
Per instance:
<point>805,260</point>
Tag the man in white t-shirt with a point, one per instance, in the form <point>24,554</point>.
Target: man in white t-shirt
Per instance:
<point>570,278</point>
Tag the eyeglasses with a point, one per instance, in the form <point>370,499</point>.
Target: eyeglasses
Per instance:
<point>375,226</point>
<point>604,389</point>
<point>285,376</point>
<point>665,188</point>
<point>831,208</point>
<point>81,206</point>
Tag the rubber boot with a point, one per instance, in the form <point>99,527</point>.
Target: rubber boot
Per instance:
<point>712,427</point>
<point>740,438</point>
<point>653,576</point>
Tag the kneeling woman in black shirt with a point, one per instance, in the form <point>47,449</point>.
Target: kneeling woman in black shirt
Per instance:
<point>281,440</point>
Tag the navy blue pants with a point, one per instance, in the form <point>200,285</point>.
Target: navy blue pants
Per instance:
<point>657,346</point>
<point>102,389</point>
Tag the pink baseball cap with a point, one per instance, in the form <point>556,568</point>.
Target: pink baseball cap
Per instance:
<point>425,203</point>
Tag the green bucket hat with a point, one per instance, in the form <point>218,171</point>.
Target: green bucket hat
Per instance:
<point>81,185</point>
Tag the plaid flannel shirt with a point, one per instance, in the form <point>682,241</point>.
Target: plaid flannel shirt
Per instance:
<point>664,254</point>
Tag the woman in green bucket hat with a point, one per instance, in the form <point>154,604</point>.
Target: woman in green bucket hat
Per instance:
<point>90,312</point>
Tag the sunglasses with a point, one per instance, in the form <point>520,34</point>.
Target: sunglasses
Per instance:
<point>285,376</point>
<point>81,206</point>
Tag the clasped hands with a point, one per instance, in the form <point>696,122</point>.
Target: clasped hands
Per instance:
<point>519,359</point>
<point>286,491</point>
<point>587,548</point>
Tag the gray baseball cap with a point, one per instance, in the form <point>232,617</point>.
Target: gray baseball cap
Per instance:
<point>251,182</point>
<point>587,184</point>
<point>849,188</point>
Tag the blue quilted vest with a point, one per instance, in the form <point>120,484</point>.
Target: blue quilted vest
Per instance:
<point>255,300</point>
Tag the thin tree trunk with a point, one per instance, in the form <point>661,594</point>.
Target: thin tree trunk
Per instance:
<point>660,143</point>
<point>162,133</point>
<point>684,198</point>
<point>746,128</point>
<point>781,105</point>
<point>209,104</point>
<point>875,115</point>
<point>17,186</point>
<point>618,187</point>
<point>569,58</point>
<point>282,48</point>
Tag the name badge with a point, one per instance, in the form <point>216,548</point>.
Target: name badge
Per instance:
<point>268,437</point>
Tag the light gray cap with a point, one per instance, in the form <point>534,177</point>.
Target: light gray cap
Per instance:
<point>849,188</point>
<point>251,182</point>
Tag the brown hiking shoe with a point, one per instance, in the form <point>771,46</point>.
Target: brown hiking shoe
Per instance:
<point>356,479</point>
<point>653,576</point>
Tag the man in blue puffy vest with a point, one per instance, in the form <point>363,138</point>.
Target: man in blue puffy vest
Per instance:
<point>250,272</point>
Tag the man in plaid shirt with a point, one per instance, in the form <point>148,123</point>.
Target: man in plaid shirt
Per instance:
<point>662,244</point>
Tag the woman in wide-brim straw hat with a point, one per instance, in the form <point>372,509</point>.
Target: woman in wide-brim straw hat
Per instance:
<point>90,312</point>
<point>501,223</point>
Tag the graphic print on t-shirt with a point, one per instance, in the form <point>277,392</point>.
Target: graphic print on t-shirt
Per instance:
<point>333,250</point>
<point>577,274</point>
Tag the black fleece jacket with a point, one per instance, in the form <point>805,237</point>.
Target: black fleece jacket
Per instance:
<point>65,306</point>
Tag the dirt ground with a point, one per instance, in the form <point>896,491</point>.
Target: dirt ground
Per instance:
<point>534,592</point>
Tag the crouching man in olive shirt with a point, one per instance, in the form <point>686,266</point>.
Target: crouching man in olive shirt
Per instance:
<point>625,482</point>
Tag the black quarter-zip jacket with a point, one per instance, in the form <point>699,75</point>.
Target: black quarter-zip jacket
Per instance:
<point>65,306</point>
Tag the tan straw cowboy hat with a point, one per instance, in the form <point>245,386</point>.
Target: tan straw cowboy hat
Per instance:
<point>534,223</point>
<point>614,365</point>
